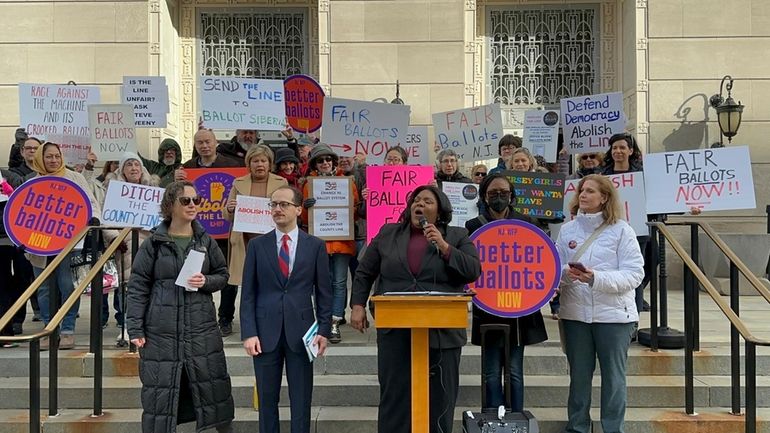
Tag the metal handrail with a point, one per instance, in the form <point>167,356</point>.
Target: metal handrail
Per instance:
<point>73,298</point>
<point>734,319</point>
<point>737,326</point>
<point>727,251</point>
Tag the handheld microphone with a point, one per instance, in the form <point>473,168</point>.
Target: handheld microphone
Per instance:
<point>423,223</point>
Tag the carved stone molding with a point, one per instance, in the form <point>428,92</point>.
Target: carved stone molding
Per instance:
<point>641,4</point>
<point>641,44</point>
<point>642,85</point>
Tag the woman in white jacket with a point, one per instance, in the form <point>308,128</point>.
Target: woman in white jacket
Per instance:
<point>602,265</point>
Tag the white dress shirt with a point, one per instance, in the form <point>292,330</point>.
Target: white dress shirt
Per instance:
<point>293,237</point>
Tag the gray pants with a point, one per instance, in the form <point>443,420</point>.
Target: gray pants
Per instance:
<point>584,343</point>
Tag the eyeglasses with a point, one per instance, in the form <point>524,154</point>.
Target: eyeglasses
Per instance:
<point>322,159</point>
<point>507,147</point>
<point>585,157</point>
<point>449,161</point>
<point>480,173</point>
<point>498,193</point>
<point>283,204</point>
<point>395,160</point>
<point>185,201</point>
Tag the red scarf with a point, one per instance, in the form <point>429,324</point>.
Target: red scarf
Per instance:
<point>292,179</point>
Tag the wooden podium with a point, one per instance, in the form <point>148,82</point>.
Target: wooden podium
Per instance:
<point>420,313</point>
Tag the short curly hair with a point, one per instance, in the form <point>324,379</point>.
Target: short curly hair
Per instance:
<point>173,191</point>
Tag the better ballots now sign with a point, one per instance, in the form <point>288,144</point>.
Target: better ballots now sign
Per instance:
<point>520,268</point>
<point>45,213</point>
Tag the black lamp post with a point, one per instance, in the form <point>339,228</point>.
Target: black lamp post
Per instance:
<point>729,114</point>
<point>398,100</point>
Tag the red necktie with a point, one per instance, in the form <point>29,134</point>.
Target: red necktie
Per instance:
<point>284,257</point>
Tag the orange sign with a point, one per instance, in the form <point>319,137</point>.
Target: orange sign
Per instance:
<point>520,268</point>
<point>45,213</point>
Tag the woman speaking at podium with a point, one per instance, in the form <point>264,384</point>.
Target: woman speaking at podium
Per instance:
<point>419,253</point>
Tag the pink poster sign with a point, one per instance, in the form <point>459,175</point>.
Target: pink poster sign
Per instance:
<point>389,188</point>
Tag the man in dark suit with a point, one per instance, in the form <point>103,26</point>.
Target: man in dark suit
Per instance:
<point>284,270</point>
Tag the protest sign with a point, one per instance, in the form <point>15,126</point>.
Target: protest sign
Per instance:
<point>45,213</point>
<point>389,187</point>
<point>520,268</point>
<point>213,185</point>
<point>243,103</point>
<point>588,122</point>
<point>304,103</point>
<point>331,223</point>
<point>149,98</point>
<point>473,133</point>
<point>3,197</point>
<point>541,133</point>
<point>132,205</point>
<point>352,127</point>
<point>252,215</point>
<point>417,145</point>
<point>333,209</point>
<point>633,200</point>
<point>464,198</point>
<point>74,149</point>
<point>47,110</point>
<point>331,190</point>
<point>710,179</point>
<point>538,195</point>
<point>112,130</point>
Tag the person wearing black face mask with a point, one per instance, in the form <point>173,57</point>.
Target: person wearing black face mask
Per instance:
<point>496,197</point>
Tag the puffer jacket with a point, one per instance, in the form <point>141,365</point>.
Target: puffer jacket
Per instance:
<point>618,268</point>
<point>181,332</point>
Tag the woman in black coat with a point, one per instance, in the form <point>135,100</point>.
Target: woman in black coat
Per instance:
<point>497,194</point>
<point>404,257</point>
<point>182,361</point>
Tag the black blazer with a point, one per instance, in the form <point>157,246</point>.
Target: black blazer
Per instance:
<point>526,330</point>
<point>385,261</point>
<point>269,304</point>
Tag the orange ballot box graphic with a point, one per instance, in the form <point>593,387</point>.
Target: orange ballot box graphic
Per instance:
<point>420,313</point>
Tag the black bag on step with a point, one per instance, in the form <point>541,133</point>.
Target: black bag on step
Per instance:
<point>498,420</point>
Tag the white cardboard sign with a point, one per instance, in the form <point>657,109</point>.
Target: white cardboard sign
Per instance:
<point>464,198</point>
<point>243,103</point>
<point>112,130</point>
<point>588,122</point>
<point>473,133</point>
<point>149,98</point>
<point>252,215</point>
<point>710,179</point>
<point>132,205</point>
<point>541,133</point>
<point>351,127</point>
<point>52,110</point>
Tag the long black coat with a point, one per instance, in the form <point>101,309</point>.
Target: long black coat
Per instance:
<point>181,332</point>
<point>385,261</point>
<point>526,330</point>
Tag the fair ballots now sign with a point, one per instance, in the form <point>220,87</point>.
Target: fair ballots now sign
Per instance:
<point>473,133</point>
<point>520,268</point>
<point>588,122</point>
<point>709,179</point>
<point>389,189</point>
<point>45,213</point>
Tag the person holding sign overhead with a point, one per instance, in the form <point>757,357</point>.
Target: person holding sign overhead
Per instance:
<point>324,162</point>
<point>419,253</point>
<point>601,267</point>
<point>182,361</point>
<point>49,161</point>
<point>497,193</point>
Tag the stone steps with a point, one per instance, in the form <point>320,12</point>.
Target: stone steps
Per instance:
<point>355,360</point>
<point>364,420</point>
<point>363,390</point>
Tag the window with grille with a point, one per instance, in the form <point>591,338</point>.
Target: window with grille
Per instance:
<point>538,56</point>
<point>261,43</point>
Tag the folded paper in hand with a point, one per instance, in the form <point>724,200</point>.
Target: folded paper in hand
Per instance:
<point>192,265</point>
<point>310,347</point>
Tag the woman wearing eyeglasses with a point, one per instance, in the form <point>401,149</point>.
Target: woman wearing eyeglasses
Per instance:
<point>478,172</point>
<point>260,182</point>
<point>588,163</point>
<point>182,362</point>
<point>497,194</point>
<point>324,162</point>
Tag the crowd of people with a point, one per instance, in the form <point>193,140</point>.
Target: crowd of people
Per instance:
<point>179,332</point>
